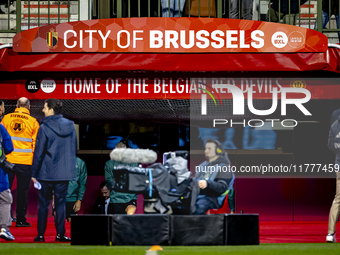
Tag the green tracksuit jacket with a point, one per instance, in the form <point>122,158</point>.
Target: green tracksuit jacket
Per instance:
<point>76,189</point>
<point>117,197</point>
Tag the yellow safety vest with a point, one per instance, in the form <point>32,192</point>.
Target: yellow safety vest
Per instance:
<point>23,129</point>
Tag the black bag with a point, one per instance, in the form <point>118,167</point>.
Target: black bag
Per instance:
<point>151,181</point>
<point>131,179</point>
<point>184,195</point>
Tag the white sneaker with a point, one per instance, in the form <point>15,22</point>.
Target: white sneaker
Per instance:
<point>5,234</point>
<point>330,238</point>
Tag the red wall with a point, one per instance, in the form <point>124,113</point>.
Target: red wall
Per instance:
<point>286,199</point>
<point>273,199</point>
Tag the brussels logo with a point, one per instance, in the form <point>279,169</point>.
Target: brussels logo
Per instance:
<point>52,39</point>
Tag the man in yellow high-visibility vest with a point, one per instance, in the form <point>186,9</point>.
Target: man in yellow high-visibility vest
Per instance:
<point>23,129</point>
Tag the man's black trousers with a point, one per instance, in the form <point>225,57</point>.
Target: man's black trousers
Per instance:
<point>23,173</point>
<point>45,197</point>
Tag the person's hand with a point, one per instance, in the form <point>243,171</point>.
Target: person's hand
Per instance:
<point>77,206</point>
<point>202,184</point>
<point>130,209</point>
<point>34,180</point>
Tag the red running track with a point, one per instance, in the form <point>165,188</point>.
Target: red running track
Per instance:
<point>270,232</point>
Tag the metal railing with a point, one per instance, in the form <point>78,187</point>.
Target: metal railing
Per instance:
<point>20,15</point>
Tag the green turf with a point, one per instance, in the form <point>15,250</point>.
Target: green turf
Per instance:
<point>263,249</point>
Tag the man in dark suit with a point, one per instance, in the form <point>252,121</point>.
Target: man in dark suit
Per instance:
<point>102,204</point>
<point>53,166</point>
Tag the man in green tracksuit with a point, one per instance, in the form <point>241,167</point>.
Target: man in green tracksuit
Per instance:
<point>122,203</point>
<point>76,190</point>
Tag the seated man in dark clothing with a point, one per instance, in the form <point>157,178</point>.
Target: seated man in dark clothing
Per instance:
<point>102,204</point>
<point>213,176</point>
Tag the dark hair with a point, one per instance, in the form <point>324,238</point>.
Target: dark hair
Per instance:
<point>219,147</point>
<point>105,183</point>
<point>1,102</point>
<point>54,104</point>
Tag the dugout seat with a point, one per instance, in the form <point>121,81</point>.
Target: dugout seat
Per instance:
<point>222,210</point>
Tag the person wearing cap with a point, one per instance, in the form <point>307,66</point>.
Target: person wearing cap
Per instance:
<point>213,177</point>
<point>23,129</point>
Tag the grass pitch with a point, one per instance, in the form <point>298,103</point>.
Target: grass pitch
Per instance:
<point>263,249</point>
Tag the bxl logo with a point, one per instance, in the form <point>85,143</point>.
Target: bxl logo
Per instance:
<point>238,100</point>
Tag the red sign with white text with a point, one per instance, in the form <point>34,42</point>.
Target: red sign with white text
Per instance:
<point>164,88</point>
<point>170,35</point>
